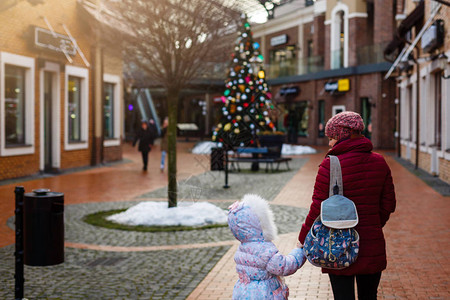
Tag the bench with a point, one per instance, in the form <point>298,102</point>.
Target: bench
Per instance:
<point>265,157</point>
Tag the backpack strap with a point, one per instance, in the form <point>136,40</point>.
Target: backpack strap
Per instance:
<point>335,176</point>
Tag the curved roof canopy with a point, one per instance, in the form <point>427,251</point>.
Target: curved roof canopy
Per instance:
<point>258,11</point>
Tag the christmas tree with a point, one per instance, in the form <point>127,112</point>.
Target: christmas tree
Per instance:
<point>246,98</point>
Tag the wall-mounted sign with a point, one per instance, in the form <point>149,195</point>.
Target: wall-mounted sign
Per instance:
<point>279,40</point>
<point>433,37</point>
<point>44,38</point>
<point>331,86</point>
<point>342,85</point>
<point>292,90</point>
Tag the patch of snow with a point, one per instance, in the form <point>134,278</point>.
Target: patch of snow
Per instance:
<point>287,149</point>
<point>204,147</point>
<point>152,213</point>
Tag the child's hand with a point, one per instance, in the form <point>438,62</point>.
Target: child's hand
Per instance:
<point>299,245</point>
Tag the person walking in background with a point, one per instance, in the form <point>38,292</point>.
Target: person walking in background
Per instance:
<point>164,142</point>
<point>291,124</point>
<point>258,262</point>
<point>367,181</point>
<point>153,129</point>
<point>146,138</point>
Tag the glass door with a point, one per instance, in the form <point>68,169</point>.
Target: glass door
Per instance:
<point>48,77</point>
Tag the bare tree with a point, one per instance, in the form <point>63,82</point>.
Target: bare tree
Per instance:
<point>173,41</point>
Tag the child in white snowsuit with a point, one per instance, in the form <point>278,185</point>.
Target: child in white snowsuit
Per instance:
<point>258,262</point>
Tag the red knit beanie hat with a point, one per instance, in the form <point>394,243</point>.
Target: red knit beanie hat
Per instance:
<point>343,124</point>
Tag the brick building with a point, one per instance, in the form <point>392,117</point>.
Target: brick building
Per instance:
<point>60,87</point>
<point>421,48</point>
<point>326,56</point>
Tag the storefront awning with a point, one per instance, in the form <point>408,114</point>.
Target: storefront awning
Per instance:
<point>404,54</point>
<point>414,18</point>
<point>106,17</point>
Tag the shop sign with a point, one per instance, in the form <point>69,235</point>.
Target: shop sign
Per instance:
<point>433,37</point>
<point>279,40</point>
<point>44,38</point>
<point>331,86</point>
<point>293,90</point>
<point>342,85</point>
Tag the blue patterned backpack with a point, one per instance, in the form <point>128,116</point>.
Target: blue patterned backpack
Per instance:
<point>333,242</point>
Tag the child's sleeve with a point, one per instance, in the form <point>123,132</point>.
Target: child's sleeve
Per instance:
<point>283,265</point>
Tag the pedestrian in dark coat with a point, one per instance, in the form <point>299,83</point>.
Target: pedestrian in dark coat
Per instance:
<point>368,183</point>
<point>146,138</point>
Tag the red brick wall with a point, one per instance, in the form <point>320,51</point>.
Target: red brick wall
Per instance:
<point>444,170</point>
<point>327,47</point>
<point>113,153</point>
<point>357,29</point>
<point>319,37</point>
<point>384,21</point>
<point>307,35</point>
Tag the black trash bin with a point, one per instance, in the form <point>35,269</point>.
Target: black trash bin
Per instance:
<point>217,159</point>
<point>43,228</point>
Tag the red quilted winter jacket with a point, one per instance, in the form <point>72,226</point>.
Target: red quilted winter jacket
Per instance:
<point>367,181</point>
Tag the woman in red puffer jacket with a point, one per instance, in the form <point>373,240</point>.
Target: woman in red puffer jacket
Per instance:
<point>367,181</point>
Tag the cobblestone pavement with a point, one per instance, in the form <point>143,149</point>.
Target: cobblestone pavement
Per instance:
<point>77,231</point>
<point>200,266</point>
<point>88,274</point>
<point>145,272</point>
<point>209,185</point>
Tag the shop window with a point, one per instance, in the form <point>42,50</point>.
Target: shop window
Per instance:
<point>283,61</point>
<point>366,114</point>
<point>74,111</point>
<point>108,110</point>
<point>321,118</point>
<point>111,108</point>
<point>411,115</point>
<point>77,108</point>
<point>438,109</point>
<point>17,104</point>
<point>296,120</point>
<point>302,112</point>
<point>14,105</point>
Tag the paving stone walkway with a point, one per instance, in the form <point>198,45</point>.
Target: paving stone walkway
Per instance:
<point>109,264</point>
<point>104,263</point>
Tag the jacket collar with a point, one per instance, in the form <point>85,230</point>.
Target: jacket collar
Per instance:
<point>358,144</point>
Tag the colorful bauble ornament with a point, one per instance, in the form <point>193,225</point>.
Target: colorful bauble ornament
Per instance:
<point>261,74</point>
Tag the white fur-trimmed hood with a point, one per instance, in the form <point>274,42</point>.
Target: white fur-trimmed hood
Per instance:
<point>262,210</point>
